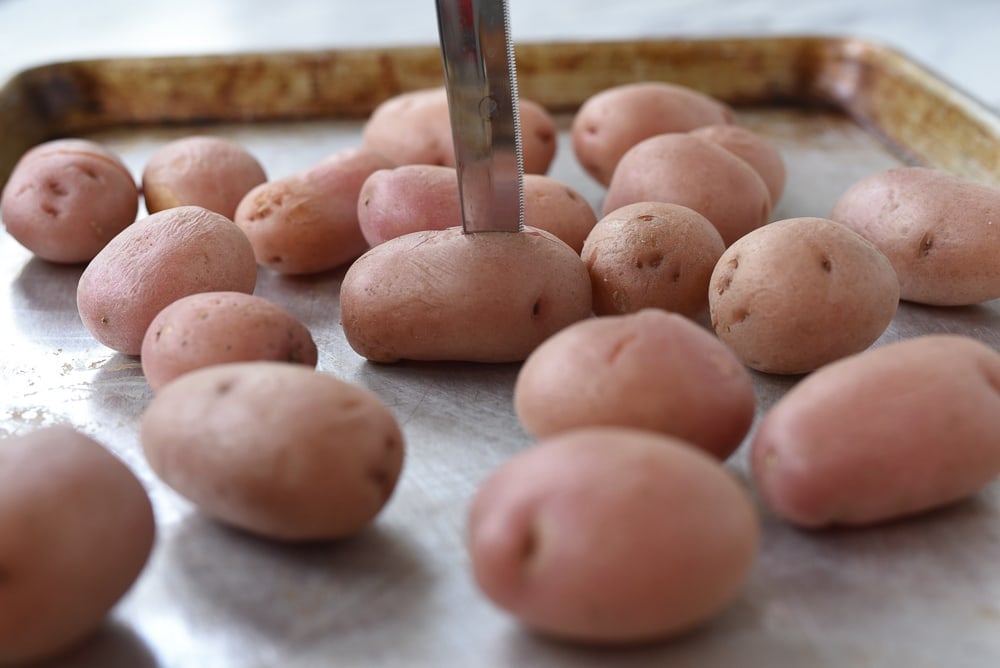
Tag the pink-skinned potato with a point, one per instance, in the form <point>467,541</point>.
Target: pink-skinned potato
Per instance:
<point>757,151</point>
<point>156,261</point>
<point>411,198</point>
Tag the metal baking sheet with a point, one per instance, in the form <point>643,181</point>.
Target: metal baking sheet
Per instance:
<point>922,592</point>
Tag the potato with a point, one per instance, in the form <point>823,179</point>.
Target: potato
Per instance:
<point>611,122</point>
<point>415,128</point>
<point>76,529</point>
<point>307,223</point>
<point>758,152</point>
<point>649,370</point>
<point>445,295</point>
<point>652,255</point>
<point>219,327</point>
<point>156,261</point>
<point>896,430</point>
<point>275,449</point>
<point>210,172</point>
<point>411,198</point>
<point>800,293</point>
<point>67,198</point>
<point>696,173</point>
<point>940,232</point>
<point>611,535</point>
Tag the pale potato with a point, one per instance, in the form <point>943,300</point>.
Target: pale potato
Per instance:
<point>210,172</point>
<point>941,232</point>
<point>900,429</point>
<point>156,261</point>
<point>76,529</point>
<point>220,327</point>
<point>275,449</point>
<point>799,293</point>
<point>307,223</point>
<point>650,370</point>
<point>613,536</point>
<point>611,122</point>
<point>411,198</point>
<point>445,295</point>
<point>652,255</point>
<point>757,151</point>
<point>696,173</point>
<point>415,128</point>
<point>67,198</point>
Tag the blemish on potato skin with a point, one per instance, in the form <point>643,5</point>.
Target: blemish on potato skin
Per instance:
<point>619,347</point>
<point>926,243</point>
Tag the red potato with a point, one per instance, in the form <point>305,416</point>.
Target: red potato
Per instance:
<point>415,128</point>
<point>210,172</point>
<point>652,255</point>
<point>896,430</point>
<point>412,198</point>
<point>940,232</point>
<point>153,263</point>
<point>219,327</point>
<point>275,449</point>
<point>696,173</point>
<point>611,122</point>
<point>649,370</point>
<point>67,198</point>
<point>76,529</point>
<point>758,152</point>
<point>612,536</point>
<point>307,223</point>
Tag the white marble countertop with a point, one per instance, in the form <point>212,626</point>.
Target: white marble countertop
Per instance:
<point>957,38</point>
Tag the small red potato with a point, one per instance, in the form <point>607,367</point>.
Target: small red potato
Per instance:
<point>758,152</point>
<point>940,232</point>
<point>800,293</point>
<point>307,223</point>
<point>275,449</point>
<point>696,173</point>
<point>210,172</point>
<point>611,122</point>
<point>220,327</point>
<point>76,529</point>
<point>415,128</point>
<point>652,255</point>
<point>612,536</point>
<point>155,262</point>
<point>67,198</point>
<point>445,295</point>
<point>411,198</point>
<point>650,370</point>
<point>893,431</point>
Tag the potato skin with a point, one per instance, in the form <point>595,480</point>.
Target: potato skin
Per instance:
<point>757,151</point>
<point>307,223</point>
<point>613,536</point>
<point>67,198</point>
<point>652,255</point>
<point>219,327</point>
<point>411,198</point>
<point>156,261</point>
<point>696,173</point>
<point>76,529</point>
<point>939,231</point>
<point>415,128</point>
<point>896,430</point>
<point>649,370</point>
<point>275,449</point>
<point>445,295</point>
<point>799,293</point>
<point>611,122</point>
<point>210,172</point>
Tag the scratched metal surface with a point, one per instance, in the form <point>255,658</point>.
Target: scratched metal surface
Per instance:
<point>924,592</point>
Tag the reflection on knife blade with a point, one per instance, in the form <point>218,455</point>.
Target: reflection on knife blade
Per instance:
<point>481,80</point>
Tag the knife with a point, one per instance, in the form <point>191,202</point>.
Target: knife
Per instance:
<point>481,80</point>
